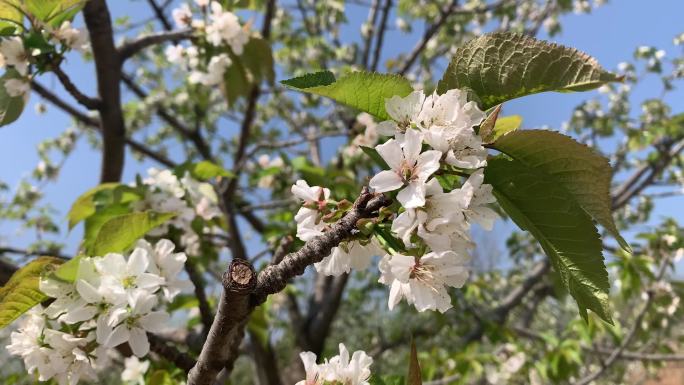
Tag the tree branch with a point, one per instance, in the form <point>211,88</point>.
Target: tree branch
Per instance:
<point>85,100</point>
<point>131,48</point>
<point>615,354</point>
<point>108,70</point>
<point>94,123</point>
<point>381,35</point>
<point>244,290</point>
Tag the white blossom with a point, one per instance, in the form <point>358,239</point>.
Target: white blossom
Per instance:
<point>12,49</point>
<point>340,369</point>
<point>347,256</point>
<point>224,27</point>
<point>410,168</point>
<point>134,370</point>
<point>132,323</point>
<point>17,87</point>
<point>314,199</point>
<point>182,16</point>
<point>423,281</point>
<point>166,264</point>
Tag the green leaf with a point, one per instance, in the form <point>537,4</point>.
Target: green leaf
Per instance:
<point>119,233</point>
<point>373,154</point>
<point>84,206</point>
<point>583,173</point>
<point>503,126</point>
<point>258,323</point>
<point>414,374</point>
<point>365,91</point>
<point>93,224</point>
<point>67,271</point>
<point>538,204</point>
<point>248,70</point>
<point>11,107</point>
<point>504,66</point>
<point>10,15</point>
<point>54,12</point>
<point>21,292</point>
<point>160,377</point>
<point>203,170</point>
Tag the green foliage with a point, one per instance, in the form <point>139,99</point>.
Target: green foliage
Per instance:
<point>362,90</point>
<point>54,12</point>
<point>11,107</point>
<point>160,377</point>
<point>120,232</point>
<point>10,16</point>
<point>504,66</point>
<point>67,271</point>
<point>540,205</point>
<point>85,205</point>
<point>578,169</point>
<point>258,323</point>
<point>203,170</point>
<point>21,292</point>
<point>248,70</point>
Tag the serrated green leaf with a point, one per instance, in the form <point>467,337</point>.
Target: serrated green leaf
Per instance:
<point>22,292</point>
<point>11,107</point>
<point>93,224</point>
<point>566,233</point>
<point>582,172</point>
<point>504,66</point>
<point>120,232</point>
<point>365,91</point>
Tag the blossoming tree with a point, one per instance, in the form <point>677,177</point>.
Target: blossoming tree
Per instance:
<point>368,242</point>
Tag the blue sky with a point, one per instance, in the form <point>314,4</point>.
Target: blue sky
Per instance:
<point>610,34</point>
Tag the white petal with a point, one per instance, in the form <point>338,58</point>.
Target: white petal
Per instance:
<point>391,152</point>
<point>119,335</point>
<point>137,262</point>
<point>138,342</point>
<point>155,321</point>
<point>428,163</point>
<point>386,180</point>
<point>413,141</point>
<point>413,195</point>
<point>387,128</point>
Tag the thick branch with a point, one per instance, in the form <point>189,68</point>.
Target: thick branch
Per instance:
<point>244,290</point>
<point>108,69</point>
<point>131,48</point>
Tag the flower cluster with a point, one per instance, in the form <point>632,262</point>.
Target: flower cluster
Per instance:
<point>113,300</point>
<point>220,28</point>
<point>311,222</point>
<point>14,53</point>
<point>187,197</point>
<point>338,370</point>
<point>430,134</point>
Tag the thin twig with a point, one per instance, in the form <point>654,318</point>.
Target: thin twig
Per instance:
<point>131,48</point>
<point>85,100</point>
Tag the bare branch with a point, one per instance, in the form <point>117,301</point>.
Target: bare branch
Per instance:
<point>381,35</point>
<point>94,123</point>
<point>244,290</point>
<point>108,70</point>
<point>627,340</point>
<point>131,48</point>
<point>85,100</point>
